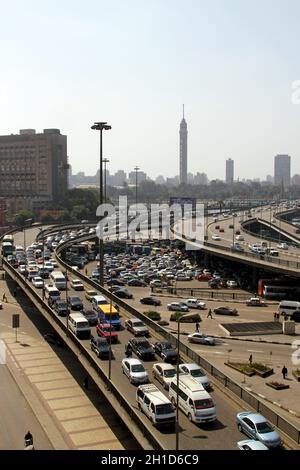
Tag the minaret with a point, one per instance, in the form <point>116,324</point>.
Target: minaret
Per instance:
<point>183,151</point>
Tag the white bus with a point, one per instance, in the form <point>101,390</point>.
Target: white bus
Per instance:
<point>290,309</point>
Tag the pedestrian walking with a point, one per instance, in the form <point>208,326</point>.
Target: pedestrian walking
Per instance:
<point>15,292</point>
<point>4,298</point>
<point>275,316</point>
<point>250,359</point>
<point>197,327</point>
<point>86,271</point>
<point>209,315</point>
<point>284,372</point>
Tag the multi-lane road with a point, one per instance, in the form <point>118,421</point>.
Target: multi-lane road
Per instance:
<point>222,434</point>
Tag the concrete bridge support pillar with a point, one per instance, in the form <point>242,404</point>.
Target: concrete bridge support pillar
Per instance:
<point>255,278</point>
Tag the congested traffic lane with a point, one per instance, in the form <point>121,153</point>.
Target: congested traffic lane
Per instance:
<point>220,435</point>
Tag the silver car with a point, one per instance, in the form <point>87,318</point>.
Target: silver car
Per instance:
<point>136,327</point>
<point>257,427</point>
<point>135,371</point>
<point>193,370</point>
<point>200,338</point>
<point>164,373</point>
<point>251,445</point>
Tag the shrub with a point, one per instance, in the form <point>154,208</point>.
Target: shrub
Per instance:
<point>259,366</point>
<point>155,316</point>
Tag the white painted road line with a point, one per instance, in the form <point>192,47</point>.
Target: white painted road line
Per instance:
<point>254,350</point>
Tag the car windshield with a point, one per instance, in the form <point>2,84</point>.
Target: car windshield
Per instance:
<point>264,428</point>
<point>164,409</point>
<point>82,324</point>
<point>144,344</point>
<point>166,346</point>
<point>197,373</point>
<point>169,373</point>
<point>138,324</point>
<point>75,299</point>
<point>61,304</point>
<point>200,404</point>
<point>137,368</point>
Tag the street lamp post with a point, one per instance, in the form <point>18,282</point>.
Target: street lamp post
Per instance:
<point>105,161</point>
<point>27,221</point>
<point>110,314</point>
<point>67,299</point>
<point>101,126</point>
<point>233,231</point>
<point>136,169</point>
<point>185,315</point>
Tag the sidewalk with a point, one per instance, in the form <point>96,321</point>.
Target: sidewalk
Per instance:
<point>72,417</point>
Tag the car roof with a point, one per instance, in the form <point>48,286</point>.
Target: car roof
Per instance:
<point>132,361</point>
<point>255,417</point>
<point>164,365</point>
<point>255,445</point>
<point>191,366</point>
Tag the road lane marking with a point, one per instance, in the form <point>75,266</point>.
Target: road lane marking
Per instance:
<point>254,350</point>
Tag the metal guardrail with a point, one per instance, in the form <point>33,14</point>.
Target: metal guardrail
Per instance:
<point>201,293</point>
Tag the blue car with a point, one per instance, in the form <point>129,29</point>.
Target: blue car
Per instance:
<point>257,427</point>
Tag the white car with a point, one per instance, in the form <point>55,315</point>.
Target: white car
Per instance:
<point>177,307</point>
<point>200,338</point>
<point>195,303</point>
<point>240,238</point>
<point>135,371</point>
<point>54,263</point>
<point>283,246</point>
<point>49,266</point>
<point>231,284</point>
<point>196,372</point>
<point>248,444</point>
<point>22,268</point>
<point>38,282</point>
<point>216,237</point>
<point>164,373</point>
<point>76,284</point>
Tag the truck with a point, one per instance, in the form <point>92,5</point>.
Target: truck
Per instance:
<point>109,314</point>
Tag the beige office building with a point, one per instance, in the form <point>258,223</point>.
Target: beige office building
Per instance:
<point>33,168</point>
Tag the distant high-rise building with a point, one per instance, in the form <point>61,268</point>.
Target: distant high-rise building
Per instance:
<point>201,178</point>
<point>269,179</point>
<point>296,180</point>
<point>160,179</point>
<point>282,170</point>
<point>183,133</point>
<point>141,176</point>
<point>229,171</point>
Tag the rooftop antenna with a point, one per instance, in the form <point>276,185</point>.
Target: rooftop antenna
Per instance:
<point>183,110</point>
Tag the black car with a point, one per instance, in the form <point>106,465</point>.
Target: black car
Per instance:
<point>136,283</point>
<point>123,294</point>
<point>150,301</point>
<point>61,308</point>
<point>75,303</point>
<point>142,348</point>
<point>115,282</point>
<point>165,350</point>
<point>91,316</point>
<point>100,346</point>
<point>44,273</point>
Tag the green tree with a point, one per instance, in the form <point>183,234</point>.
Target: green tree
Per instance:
<point>22,216</point>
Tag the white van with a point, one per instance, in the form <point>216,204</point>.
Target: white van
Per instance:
<point>19,249</point>
<point>193,400</point>
<point>32,272</point>
<point>155,405</point>
<point>290,309</point>
<point>79,325</point>
<point>51,291</point>
<point>59,280</point>
<point>98,300</point>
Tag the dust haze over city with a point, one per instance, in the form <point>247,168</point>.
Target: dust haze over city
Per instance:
<point>150,230</point>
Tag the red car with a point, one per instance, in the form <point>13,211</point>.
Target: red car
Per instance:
<point>221,230</point>
<point>104,330</point>
<point>204,277</point>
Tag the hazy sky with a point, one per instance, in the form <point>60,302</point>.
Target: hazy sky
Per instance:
<point>133,63</point>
